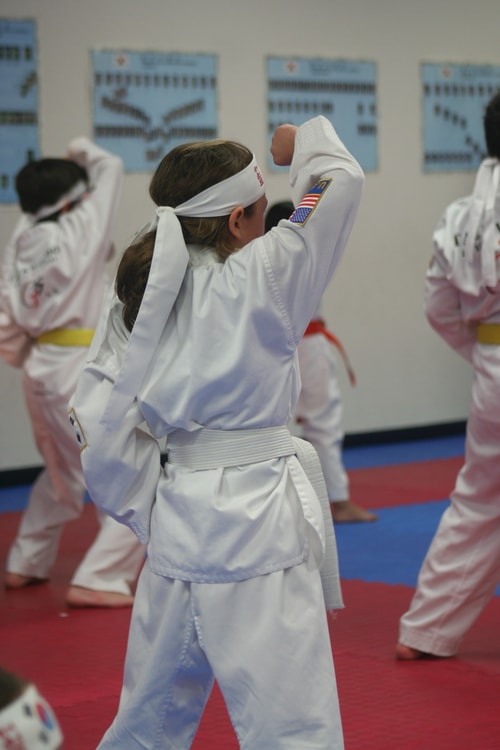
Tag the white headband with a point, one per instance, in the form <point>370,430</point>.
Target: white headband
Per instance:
<point>29,723</point>
<point>76,192</point>
<point>168,267</point>
<point>241,189</point>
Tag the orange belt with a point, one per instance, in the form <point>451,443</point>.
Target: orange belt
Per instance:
<point>318,326</point>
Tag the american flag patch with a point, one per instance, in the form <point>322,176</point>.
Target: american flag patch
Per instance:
<point>78,429</point>
<point>309,202</point>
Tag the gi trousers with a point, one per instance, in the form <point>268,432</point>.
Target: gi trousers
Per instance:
<point>462,567</point>
<point>319,410</point>
<point>266,642</point>
<point>115,556</point>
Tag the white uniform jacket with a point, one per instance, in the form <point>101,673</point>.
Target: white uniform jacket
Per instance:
<point>226,361</point>
<point>457,296</point>
<point>53,272</point>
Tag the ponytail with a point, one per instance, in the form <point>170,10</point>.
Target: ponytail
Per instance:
<point>132,276</point>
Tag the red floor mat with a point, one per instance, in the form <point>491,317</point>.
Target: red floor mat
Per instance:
<point>403,484</point>
<point>391,705</point>
<point>76,657</point>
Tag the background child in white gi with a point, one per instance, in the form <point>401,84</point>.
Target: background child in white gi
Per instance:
<point>319,408</point>
<point>462,302</point>
<point>231,587</point>
<point>51,293</point>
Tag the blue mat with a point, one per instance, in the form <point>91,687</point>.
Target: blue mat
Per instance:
<point>392,549</point>
<point>369,456</point>
<point>356,457</point>
<point>388,551</point>
<point>13,499</point>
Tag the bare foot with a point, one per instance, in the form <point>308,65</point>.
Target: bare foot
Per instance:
<point>406,653</point>
<point>78,596</point>
<point>346,511</point>
<point>18,581</point>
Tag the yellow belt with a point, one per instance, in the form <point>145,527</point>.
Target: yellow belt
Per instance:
<point>67,337</point>
<point>488,333</point>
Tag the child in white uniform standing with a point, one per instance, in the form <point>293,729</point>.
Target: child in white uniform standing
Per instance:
<point>52,288</point>
<point>231,587</point>
<point>462,301</point>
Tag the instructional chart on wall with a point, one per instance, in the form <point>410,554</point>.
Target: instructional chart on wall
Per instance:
<point>18,102</point>
<point>145,103</point>
<point>344,91</point>
<point>454,97</point>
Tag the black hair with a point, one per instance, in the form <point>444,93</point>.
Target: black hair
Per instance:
<point>276,212</point>
<point>11,687</point>
<point>44,181</point>
<point>492,126</point>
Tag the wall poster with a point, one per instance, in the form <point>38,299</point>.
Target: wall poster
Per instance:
<point>145,103</point>
<point>19,141</point>
<point>344,91</point>
<point>453,101</point>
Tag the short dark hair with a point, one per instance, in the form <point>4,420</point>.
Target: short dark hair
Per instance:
<point>44,181</point>
<point>278,211</point>
<point>492,126</point>
<point>12,686</point>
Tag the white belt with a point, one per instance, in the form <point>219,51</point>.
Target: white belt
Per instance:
<point>212,449</point>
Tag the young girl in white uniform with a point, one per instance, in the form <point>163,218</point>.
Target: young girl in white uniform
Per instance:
<point>52,288</point>
<point>231,588</point>
<point>462,301</point>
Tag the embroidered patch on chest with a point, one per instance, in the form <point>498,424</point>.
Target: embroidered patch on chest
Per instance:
<point>309,202</point>
<point>78,429</point>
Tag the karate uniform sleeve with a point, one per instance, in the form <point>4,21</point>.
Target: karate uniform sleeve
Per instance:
<point>15,344</point>
<point>442,308</point>
<point>121,466</point>
<point>86,231</point>
<point>304,252</point>
<point>105,172</point>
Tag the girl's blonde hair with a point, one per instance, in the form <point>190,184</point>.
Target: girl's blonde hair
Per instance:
<point>183,173</point>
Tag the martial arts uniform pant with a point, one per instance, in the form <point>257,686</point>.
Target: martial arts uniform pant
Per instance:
<point>319,411</point>
<point>113,561</point>
<point>462,567</point>
<point>266,642</point>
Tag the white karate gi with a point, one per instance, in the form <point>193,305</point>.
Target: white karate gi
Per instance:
<point>231,586</point>
<point>319,409</point>
<point>53,277</point>
<point>462,567</point>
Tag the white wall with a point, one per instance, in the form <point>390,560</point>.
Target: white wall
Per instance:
<point>406,375</point>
